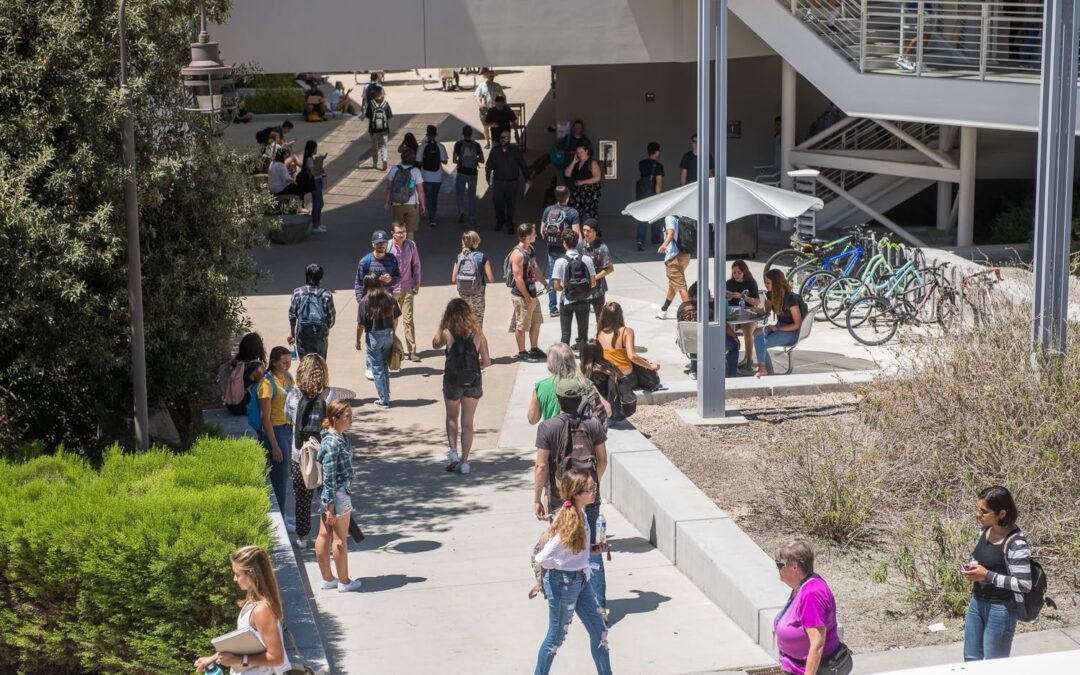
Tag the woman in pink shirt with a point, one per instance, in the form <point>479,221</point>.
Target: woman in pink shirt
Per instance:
<point>806,628</point>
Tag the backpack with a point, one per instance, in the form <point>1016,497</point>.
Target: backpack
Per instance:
<point>593,406</point>
<point>1028,610</point>
<point>462,363</point>
<point>577,285</point>
<point>230,382</point>
<point>686,235</point>
<point>254,412</point>
<point>402,187</point>
<point>646,185</point>
<point>576,449</point>
<point>311,317</point>
<point>432,157</point>
<point>470,155</point>
<point>508,269</point>
<point>310,466</point>
<point>554,222</point>
<point>621,396</point>
<point>379,120</point>
<point>470,279</point>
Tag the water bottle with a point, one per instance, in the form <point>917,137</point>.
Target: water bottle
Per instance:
<point>742,301</point>
<point>601,529</point>
<point>213,668</point>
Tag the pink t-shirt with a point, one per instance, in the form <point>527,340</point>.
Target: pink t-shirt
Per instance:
<point>812,607</point>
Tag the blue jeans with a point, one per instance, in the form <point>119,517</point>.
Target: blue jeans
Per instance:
<point>466,184</point>
<point>379,344</point>
<point>567,592</point>
<point>655,229</point>
<point>431,199</point>
<point>988,630</point>
<point>769,337</point>
<point>553,295</point>
<point>596,560</point>
<point>731,357</point>
<point>317,201</point>
<point>279,471</point>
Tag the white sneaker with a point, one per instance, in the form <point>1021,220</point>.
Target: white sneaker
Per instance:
<point>463,468</point>
<point>328,585</point>
<point>905,65</point>
<point>382,405</point>
<point>661,313</point>
<point>353,585</point>
<point>368,374</point>
<point>321,229</point>
<point>452,460</point>
<point>301,543</point>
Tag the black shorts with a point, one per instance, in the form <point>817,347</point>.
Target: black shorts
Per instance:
<point>453,392</point>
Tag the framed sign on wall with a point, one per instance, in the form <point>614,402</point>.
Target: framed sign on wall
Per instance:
<point>608,159</point>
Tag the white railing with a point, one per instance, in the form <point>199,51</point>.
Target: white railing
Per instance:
<point>942,38</point>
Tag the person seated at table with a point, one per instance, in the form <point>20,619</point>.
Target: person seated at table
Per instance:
<point>743,285</point>
<point>314,105</point>
<point>688,312</point>
<point>618,343</point>
<point>790,311</point>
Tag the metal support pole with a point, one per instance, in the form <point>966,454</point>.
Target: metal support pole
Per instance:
<point>944,188</point>
<point>965,194</point>
<point>1054,188</point>
<point>788,80</point>
<point>134,255</point>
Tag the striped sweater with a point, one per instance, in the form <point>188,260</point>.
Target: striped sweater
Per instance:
<point>1017,559</point>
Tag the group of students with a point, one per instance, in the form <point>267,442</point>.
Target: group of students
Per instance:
<point>288,175</point>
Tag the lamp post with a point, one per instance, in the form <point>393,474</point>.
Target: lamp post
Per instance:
<point>204,77</point>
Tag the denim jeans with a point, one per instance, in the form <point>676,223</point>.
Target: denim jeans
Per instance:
<point>731,357</point>
<point>379,344</point>
<point>596,560</point>
<point>431,199</point>
<point>466,185</point>
<point>280,471</point>
<point>553,295</point>
<point>567,592</point>
<point>317,201</point>
<point>570,312</point>
<point>769,337</point>
<point>988,630</point>
<point>655,230</point>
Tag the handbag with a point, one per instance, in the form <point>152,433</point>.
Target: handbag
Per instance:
<point>310,466</point>
<point>840,662</point>
<point>397,355</point>
<point>354,530</point>
<point>297,663</point>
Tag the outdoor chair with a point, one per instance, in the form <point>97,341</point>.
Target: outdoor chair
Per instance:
<point>804,332</point>
<point>686,337</point>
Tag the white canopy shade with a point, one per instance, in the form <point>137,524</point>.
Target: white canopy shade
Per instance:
<point>744,198</point>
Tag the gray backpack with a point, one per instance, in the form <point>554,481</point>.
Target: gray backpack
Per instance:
<point>402,187</point>
<point>470,279</point>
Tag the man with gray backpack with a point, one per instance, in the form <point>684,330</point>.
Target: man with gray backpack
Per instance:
<point>405,192</point>
<point>555,220</point>
<point>575,275</point>
<point>468,156</point>
<point>311,315</point>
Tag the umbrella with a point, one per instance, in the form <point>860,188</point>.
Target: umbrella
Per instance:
<point>744,198</point>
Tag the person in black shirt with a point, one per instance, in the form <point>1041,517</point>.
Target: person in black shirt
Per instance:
<point>687,311</point>
<point>467,157</point>
<point>504,167</point>
<point>743,285</point>
<point>500,118</point>
<point>650,182</point>
<point>790,311</point>
<point>688,164</point>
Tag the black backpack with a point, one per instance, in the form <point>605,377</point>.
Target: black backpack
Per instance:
<point>621,397</point>
<point>432,157</point>
<point>576,449</point>
<point>1028,610</point>
<point>462,363</point>
<point>686,235</point>
<point>577,286</point>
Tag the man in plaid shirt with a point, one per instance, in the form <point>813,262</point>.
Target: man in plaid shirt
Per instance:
<point>311,315</point>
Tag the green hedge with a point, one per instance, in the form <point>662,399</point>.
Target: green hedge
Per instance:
<point>275,101</point>
<point>125,569</point>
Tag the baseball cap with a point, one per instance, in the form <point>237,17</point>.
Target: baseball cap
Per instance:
<point>569,388</point>
<point>380,237</point>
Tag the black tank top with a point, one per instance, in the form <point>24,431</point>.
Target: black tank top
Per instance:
<point>992,557</point>
<point>582,171</point>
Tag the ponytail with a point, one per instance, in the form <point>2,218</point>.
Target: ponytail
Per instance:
<point>569,522</point>
<point>335,410</point>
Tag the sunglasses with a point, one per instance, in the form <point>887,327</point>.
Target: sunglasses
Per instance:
<point>589,490</point>
<point>780,564</point>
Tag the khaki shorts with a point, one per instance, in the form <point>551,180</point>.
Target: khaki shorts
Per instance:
<point>525,318</point>
<point>409,216</point>
<point>676,271</point>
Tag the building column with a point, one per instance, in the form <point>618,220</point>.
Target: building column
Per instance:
<point>944,188</point>
<point>965,228</point>
<point>787,121</point>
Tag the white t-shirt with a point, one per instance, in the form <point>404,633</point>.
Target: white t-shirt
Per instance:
<point>335,99</point>
<point>486,93</point>
<point>417,177</point>
<point>557,556</point>
<point>278,178</point>
<point>432,176</point>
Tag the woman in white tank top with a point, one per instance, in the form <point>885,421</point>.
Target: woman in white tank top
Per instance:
<point>260,610</point>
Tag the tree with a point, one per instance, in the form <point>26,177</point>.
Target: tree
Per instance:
<point>65,371</point>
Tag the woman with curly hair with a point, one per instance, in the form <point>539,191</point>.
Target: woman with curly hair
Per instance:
<point>312,378</point>
<point>565,560</point>
<point>466,354</point>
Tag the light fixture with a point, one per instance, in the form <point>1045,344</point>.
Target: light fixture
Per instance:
<point>206,77</point>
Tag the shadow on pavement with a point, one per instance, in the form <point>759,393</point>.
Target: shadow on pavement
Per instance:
<point>389,582</point>
<point>647,601</point>
<point>415,546</point>
<point>630,545</point>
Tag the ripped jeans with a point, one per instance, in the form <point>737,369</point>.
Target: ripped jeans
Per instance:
<point>568,592</point>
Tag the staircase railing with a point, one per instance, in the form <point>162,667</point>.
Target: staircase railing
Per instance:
<point>942,38</point>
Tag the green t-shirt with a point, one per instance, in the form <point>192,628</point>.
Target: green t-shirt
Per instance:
<point>545,394</point>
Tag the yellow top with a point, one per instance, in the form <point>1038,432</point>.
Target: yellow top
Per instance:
<point>277,403</point>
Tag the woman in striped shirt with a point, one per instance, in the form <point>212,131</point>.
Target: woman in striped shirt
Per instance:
<point>335,495</point>
<point>1000,570</point>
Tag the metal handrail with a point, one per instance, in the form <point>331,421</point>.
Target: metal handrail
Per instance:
<point>943,38</point>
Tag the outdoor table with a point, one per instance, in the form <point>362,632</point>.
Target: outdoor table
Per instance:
<point>737,318</point>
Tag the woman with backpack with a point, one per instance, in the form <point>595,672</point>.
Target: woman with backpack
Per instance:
<point>235,376</point>
<point>790,311</point>
<point>597,370</point>
<point>275,430</point>
<point>565,560</point>
<point>617,341</point>
<point>376,321</point>
<point>1000,572</point>
<point>466,356</point>
<point>583,177</point>
<point>335,499</point>
<point>312,378</point>
<point>471,274</point>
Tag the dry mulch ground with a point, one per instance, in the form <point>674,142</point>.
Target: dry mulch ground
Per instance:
<point>724,464</point>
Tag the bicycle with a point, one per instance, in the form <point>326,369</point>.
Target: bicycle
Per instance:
<point>833,291</point>
<point>874,320</point>
<point>975,293</point>
<point>803,252</point>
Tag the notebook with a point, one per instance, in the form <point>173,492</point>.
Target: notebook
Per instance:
<point>241,641</point>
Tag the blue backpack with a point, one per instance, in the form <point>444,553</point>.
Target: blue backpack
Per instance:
<point>254,412</point>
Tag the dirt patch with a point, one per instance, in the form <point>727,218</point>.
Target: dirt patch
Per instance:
<point>725,463</point>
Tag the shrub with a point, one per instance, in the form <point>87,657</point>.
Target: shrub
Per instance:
<point>275,100</point>
<point>928,556</point>
<point>125,569</point>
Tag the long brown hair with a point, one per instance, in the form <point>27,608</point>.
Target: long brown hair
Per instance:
<point>459,320</point>
<point>380,304</point>
<point>745,269</point>
<point>780,289</point>
<point>256,564</point>
<point>593,361</point>
<point>569,522</point>
<point>335,410</point>
<point>611,319</point>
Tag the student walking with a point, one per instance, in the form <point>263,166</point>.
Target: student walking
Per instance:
<point>276,431</point>
<point>377,314</point>
<point>335,499</point>
<point>1000,573</point>
<point>408,285</point>
<point>467,158</point>
<point>567,574</point>
<point>466,356</point>
<point>584,177</point>
<point>505,166</point>
<point>650,182</point>
<point>404,193</point>
<point>676,261</point>
<point>806,629</point>
<point>575,277</point>
<point>311,315</point>
<point>380,262</point>
<point>598,251</point>
<point>485,95</point>
<point>432,156</point>
<point>523,275</point>
<point>555,220</point>
<point>378,114</point>
<point>471,274</point>
<point>312,379</point>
